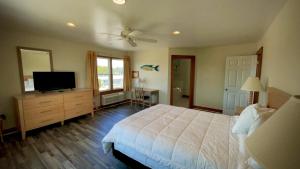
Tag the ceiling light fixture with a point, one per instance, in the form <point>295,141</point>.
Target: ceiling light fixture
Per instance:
<point>176,32</point>
<point>70,24</point>
<point>119,2</point>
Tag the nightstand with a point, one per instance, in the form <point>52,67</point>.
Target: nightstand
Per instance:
<point>238,110</point>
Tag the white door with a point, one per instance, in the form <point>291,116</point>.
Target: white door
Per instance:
<point>238,69</point>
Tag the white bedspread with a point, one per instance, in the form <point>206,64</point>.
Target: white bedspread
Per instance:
<point>178,138</point>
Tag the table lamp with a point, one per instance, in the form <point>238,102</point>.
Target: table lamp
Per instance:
<point>276,143</point>
<point>252,85</point>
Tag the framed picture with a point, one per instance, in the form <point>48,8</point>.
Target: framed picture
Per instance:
<point>135,74</point>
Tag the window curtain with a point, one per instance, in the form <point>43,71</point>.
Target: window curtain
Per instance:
<point>92,79</point>
<point>127,74</point>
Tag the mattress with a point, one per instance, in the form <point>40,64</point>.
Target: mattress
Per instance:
<point>165,136</point>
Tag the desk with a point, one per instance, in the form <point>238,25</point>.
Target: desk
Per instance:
<point>153,93</point>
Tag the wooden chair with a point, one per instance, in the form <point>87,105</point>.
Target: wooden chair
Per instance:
<point>140,98</point>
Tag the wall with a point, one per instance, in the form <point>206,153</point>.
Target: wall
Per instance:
<point>35,61</point>
<point>155,80</point>
<point>67,56</point>
<point>210,70</point>
<point>282,51</point>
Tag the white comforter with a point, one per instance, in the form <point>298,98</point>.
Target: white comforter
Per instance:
<point>178,137</point>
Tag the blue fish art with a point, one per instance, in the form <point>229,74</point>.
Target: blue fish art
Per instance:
<point>150,67</point>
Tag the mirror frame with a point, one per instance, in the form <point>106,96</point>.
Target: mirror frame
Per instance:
<point>21,64</point>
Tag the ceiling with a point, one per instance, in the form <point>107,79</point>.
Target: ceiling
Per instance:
<point>201,22</point>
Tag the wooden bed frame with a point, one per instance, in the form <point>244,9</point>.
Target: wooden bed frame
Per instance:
<point>276,98</point>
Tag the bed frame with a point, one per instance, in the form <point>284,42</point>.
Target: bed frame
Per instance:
<point>127,160</point>
<point>276,98</point>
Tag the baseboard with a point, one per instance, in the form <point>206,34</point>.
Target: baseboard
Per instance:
<point>113,104</point>
<point>10,131</point>
<point>208,109</point>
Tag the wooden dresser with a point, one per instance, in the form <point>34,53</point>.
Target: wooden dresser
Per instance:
<point>38,110</point>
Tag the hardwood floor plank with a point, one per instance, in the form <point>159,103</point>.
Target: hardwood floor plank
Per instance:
<point>76,145</point>
<point>32,159</point>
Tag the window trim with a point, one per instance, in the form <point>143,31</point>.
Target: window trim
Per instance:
<point>111,90</point>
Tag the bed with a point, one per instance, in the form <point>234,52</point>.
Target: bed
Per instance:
<point>165,136</point>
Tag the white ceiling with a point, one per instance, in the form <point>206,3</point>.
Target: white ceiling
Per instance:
<point>202,22</point>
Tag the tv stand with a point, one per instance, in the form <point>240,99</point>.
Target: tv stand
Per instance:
<point>42,109</point>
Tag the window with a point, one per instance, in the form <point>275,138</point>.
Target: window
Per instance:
<point>103,72</point>
<point>118,73</point>
<point>110,73</point>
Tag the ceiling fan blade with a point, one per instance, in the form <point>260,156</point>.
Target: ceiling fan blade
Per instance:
<point>109,34</point>
<point>111,38</point>
<point>145,39</point>
<point>131,42</point>
<point>135,33</point>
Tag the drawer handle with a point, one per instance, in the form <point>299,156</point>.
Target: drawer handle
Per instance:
<point>46,111</point>
<point>46,120</point>
<point>78,104</point>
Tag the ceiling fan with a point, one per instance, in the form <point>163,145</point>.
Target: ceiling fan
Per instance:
<point>131,36</point>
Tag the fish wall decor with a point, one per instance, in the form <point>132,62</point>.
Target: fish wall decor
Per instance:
<point>150,67</point>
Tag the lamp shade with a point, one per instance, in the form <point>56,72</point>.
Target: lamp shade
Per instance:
<point>252,84</point>
<point>276,143</point>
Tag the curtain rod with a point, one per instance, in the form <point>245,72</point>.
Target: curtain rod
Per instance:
<point>103,53</point>
<point>108,54</point>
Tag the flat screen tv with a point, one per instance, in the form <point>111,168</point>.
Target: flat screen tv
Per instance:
<point>47,81</point>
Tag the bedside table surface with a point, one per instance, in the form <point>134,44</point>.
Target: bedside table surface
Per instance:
<point>238,110</point>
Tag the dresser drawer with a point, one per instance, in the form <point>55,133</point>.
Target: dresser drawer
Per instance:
<point>70,113</point>
<point>71,97</point>
<point>43,121</point>
<point>42,101</point>
<point>44,111</point>
<point>78,104</point>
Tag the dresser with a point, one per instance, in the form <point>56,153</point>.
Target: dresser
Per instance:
<point>38,110</point>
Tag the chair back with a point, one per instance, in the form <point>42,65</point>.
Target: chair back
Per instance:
<point>139,93</point>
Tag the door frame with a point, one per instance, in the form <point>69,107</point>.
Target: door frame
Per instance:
<point>259,54</point>
<point>192,77</point>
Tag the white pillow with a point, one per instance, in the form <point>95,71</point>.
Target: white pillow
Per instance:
<point>263,115</point>
<point>244,122</point>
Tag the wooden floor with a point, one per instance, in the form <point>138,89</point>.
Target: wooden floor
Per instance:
<point>77,144</point>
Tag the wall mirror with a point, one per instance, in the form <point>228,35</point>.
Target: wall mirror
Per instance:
<point>32,60</point>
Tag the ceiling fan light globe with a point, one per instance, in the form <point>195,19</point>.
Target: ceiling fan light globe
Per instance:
<point>119,2</point>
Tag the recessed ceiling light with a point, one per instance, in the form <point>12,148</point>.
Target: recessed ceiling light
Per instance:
<point>70,24</point>
<point>119,2</point>
<point>176,32</point>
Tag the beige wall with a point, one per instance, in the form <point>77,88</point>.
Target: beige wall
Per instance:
<point>156,80</point>
<point>210,70</point>
<point>67,56</point>
<point>282,50</point>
